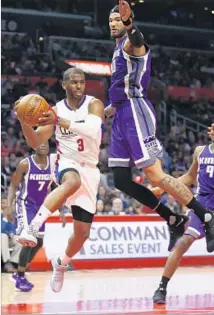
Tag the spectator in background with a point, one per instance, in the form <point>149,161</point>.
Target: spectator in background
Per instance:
<point>107,206</point>
<point>102,193</point>
<point>6,168</point>
<point>173,205</point>
<point>10,249</point>
<point>117,207</point>
<point>100,207</point>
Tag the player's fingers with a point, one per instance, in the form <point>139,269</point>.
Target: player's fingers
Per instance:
<point>43,118</point>
<point>42,124</point>
<point>46,114</point>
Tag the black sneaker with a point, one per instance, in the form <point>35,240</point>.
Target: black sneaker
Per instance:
<point>209,227</point>
<point>176,231</point>
<point>159,296</point>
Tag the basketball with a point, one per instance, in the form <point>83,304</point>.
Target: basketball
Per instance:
<point>30,108</point>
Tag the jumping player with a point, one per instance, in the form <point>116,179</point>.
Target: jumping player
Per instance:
<point>78,136</point>
<point>133,139</point>
<point>202,170</point>
<point>28,188</point>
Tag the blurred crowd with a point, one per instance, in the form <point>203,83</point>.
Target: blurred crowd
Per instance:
<point>167,12</point>
<point>21,56</point>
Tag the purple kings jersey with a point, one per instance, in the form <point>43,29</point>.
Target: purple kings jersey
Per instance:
<point>205,177</point>
<point>35,185</point>
<point>130,75</point>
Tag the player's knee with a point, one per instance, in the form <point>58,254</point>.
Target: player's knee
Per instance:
<point>82,231</point>
<point>153,176</point>
<point>71,185</point>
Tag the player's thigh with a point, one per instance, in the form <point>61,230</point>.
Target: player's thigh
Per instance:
<point>85,197</point>
<point>67,173</point>
<point>140,134</point>
<point>118,150</point>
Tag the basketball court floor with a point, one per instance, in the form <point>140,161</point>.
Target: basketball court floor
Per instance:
<point>122,291</point>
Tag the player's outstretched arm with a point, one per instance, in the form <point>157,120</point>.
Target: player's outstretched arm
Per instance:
<point>189,178</point>
<point>36,137</point>
<point>88,128</point>
<point>16,179</point>
<point>134,45</point>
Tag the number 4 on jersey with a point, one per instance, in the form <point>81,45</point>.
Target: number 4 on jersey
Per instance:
<point>210,170</point>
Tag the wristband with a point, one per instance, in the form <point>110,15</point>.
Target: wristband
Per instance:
<point>127,22</point>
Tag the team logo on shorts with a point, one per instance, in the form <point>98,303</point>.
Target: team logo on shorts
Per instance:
<point>151,145</point>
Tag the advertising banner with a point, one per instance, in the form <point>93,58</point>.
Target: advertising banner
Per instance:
<point>117,240</point>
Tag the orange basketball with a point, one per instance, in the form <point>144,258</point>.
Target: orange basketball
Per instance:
<point>30,108</point>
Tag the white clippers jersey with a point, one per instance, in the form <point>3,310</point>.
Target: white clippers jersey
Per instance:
<point>81,149</point>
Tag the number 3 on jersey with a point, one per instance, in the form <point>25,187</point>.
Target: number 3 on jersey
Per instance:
<point>80,143</point>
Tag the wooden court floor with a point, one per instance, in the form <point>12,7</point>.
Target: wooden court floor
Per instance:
<point>129,291</point>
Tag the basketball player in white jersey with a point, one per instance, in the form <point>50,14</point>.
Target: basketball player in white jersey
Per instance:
<point>76,122</point>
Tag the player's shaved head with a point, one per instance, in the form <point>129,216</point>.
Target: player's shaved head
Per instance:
<point>72,71</point>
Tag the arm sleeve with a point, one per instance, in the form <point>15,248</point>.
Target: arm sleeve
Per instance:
<point>89,128</point>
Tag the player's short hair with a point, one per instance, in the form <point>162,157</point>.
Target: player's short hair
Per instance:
<point>115,9</point>
<point>69,71</point>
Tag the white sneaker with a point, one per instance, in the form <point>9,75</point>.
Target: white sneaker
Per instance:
<point>57,276</point>
<point>27,239</point>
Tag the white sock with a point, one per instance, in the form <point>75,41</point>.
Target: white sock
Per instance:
<point>65,260</point>
<point>39,219</point>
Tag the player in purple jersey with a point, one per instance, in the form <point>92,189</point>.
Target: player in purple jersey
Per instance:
<point>133,139</point>
<point>29,186</point>
<point>202,171</point>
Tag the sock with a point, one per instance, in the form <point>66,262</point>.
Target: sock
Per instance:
<point>64,260</point>
<point>21,273</point>
<point>163,283</point>
<point>39,219</point>
<point>200,211</point>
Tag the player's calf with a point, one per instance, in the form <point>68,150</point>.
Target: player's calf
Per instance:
<point>172,264</point>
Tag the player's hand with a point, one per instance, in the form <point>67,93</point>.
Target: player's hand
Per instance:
<point>211,131</point>
<point>16,105</point>
<point>109,111</point>
<point>48,118</point>
<point>62,218</point>
<point>157,191</point>
<point>10,216</point>
<point>125,10</point>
